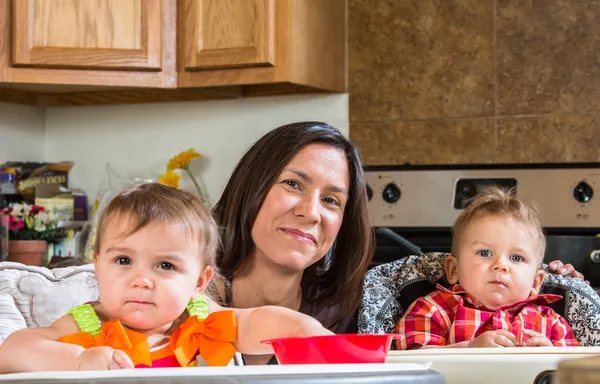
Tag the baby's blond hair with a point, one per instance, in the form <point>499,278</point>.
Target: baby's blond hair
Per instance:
<point>157,203</point>
<point>494,201</point>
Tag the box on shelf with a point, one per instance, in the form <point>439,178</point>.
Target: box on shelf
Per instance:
<point>71,204</point>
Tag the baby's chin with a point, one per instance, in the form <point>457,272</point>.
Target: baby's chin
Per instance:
<point>138,320</point>
<point>495,300</point>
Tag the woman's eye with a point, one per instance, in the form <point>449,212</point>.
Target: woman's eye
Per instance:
<point>485,253</point>
<point>165,265</point>
<point>292,183</point>
<point>516,258</point>
<point>123,260</point>
<point>331,200</point>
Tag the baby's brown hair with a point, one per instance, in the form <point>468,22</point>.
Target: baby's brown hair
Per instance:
<point>495,201</point>
<point>156,203</point>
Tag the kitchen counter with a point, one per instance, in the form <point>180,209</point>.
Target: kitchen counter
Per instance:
<point>492,365</point>
<point>294,374</point>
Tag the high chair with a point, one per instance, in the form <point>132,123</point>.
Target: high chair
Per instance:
<point>32,297</point>
<point>391,288</point>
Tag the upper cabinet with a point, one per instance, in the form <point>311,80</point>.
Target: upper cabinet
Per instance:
<point>110,34</point>
<point>66,52</point>
<point>227,33</point>
<point>284,44</point>
<point>53,47</point>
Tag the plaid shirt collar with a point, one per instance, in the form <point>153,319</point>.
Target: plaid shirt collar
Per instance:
<point>457,290</point>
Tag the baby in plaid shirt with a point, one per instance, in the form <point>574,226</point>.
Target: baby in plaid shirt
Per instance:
<point>495,275</point>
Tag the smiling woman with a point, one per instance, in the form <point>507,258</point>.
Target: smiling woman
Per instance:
<point>295,227</point>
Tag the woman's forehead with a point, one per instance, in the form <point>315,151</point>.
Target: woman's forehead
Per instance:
<point>321,161</point>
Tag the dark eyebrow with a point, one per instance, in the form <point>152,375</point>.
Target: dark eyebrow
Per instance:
<point>300,173</point>
<point>303,175</point>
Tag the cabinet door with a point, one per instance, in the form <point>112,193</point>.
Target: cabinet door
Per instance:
<point>227,33</point>
<point>106,34</point>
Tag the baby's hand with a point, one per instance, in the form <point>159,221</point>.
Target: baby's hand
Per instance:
<point>102,359</point>
<point>499,338</point>
<point>536,339</point>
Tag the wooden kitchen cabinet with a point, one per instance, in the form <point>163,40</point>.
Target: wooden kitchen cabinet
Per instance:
<point>72,52</point>
<point>227,33</point>
<point>291,43</point>
<point>87,44</point>
<point>110,34</point>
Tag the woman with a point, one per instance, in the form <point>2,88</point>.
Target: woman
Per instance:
<point>296,228</point>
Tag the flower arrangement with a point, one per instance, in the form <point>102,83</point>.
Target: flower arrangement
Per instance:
<point>181,161</point>
<point>32,222</point>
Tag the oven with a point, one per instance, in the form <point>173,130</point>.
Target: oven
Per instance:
<point>414,207</point>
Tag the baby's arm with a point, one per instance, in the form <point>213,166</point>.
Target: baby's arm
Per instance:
<point>269,322</point>
<point>423,326</point>
<point>37,349</point>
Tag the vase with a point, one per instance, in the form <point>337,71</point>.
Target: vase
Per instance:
<point>28,252</point>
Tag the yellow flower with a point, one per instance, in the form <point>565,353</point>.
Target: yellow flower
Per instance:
<point>182,160</point>
<point>170,178</point>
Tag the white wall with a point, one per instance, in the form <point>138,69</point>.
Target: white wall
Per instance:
<point>138,140</point>
<point>22,134</point>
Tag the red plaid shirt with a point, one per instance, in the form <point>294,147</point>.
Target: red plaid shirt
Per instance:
<point>449,316</point>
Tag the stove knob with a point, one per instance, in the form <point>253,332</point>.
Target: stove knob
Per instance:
<point>391,193</point>
<point>583,192</point>
<point>369,192</point>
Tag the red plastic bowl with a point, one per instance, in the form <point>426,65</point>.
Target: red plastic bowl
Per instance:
<point>333,349</point>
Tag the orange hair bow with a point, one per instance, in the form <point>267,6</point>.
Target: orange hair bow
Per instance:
<point>212,338</point>
<point>114,335</point>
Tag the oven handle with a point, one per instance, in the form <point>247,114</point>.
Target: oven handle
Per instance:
<point>396,238</point>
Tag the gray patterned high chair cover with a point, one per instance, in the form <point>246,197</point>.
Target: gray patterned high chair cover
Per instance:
<point>390,288</point>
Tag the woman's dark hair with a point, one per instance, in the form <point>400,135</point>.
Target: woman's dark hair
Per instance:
<point>337,278</point>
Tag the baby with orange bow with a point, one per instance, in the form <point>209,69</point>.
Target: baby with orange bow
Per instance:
<point>154,257</point>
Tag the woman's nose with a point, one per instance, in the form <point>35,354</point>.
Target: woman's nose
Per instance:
<point>308,208</point>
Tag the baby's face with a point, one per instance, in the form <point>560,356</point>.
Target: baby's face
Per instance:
<point>147,278</point>
<point>497,262</point>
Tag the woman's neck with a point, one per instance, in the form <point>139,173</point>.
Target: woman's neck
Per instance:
<point>257,285</point>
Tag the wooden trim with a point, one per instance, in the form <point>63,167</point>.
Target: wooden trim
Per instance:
<point>189,27</point>
<point>25,54</point>
<point>86,58</point>
<point>22,40</point>
<point>319,39</point>
<point>129,96</point>
<point>57,96</point>
<point>17,97</point>
<point>153,36</point>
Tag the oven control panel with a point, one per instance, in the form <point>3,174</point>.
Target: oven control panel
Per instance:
<point>421,197</point>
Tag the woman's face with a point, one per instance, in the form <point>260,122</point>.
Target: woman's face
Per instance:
<point>302,212</point>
